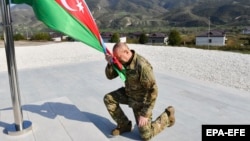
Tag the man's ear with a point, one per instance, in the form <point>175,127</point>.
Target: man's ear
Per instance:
<point>126,51</point>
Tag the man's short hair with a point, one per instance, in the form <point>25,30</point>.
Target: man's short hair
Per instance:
<point>119,45</point>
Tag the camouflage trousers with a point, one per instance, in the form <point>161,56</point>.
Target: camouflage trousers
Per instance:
<point>113,100</point>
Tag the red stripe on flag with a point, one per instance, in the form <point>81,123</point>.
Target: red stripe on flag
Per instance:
<point>79,10</point>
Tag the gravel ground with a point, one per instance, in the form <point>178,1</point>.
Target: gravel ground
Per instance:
<point>28,43</point>
<point>224,68</point>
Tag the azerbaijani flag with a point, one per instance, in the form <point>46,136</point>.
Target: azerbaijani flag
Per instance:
<point>73,18</point>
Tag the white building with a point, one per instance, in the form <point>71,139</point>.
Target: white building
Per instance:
<point>212,38</point>
<point>246,30</point>
<point>123,39</point>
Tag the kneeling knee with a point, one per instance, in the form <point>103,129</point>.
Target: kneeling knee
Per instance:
<point>145,138</point>
<point>145,134</point>
<point>107,98</point>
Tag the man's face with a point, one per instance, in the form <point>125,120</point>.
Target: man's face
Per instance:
<point>121,55</point>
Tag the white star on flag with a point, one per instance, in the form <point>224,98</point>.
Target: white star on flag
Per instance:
<point>79,5</point>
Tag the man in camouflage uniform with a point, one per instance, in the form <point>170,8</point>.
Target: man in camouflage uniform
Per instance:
<point>140,93</point>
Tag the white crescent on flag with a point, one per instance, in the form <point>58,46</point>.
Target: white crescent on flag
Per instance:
<point>65,4</point>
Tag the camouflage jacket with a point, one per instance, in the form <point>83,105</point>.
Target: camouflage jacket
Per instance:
<point>140,84</point>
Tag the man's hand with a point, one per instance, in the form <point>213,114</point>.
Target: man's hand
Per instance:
<point>142,121</point>
<point>108,58</point>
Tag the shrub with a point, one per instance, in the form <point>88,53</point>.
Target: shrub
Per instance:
<point>18,37</point>
<point>143,39</point>
<point>115,38</point>
<point>41,37</point>
<point>174,38</point>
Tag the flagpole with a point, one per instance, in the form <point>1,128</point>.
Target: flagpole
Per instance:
<point>20,126</point>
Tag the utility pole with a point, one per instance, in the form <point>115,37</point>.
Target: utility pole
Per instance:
<point>208,32</point>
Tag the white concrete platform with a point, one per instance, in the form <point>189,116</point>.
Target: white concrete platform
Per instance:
<point>65,103</point>
<point>52,120</point>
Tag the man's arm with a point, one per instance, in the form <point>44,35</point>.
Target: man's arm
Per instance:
<point>109,70</point>
<point>147,80</point>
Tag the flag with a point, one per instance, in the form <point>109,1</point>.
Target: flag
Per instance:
<point>73,18</point>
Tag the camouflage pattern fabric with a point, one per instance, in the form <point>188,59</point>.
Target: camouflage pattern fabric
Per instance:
<point>140,93</point>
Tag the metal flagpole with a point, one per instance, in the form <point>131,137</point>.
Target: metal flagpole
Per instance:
<point>20,126</point>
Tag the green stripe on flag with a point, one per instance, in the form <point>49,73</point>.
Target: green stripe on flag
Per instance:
<point>55,17</point>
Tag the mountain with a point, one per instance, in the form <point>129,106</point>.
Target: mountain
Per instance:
<point>160,13</point>
<point>150,14</point>
<point>24,19</point>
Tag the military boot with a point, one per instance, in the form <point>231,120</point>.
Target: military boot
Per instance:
<point>170,112</point>
<point>122,128</point>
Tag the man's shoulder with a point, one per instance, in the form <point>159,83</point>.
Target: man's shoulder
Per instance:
<point>141,58</point>
<point>138,56</point>
<point>142,62</point>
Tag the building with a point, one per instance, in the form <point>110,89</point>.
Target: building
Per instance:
<point>134,35</point>
<point>56,36</point>
<point>106,36</point>
<point>246,30</point>
<point>153,38</point>
<point>157,38</point>
<point>211,38</point>
<point>123,39</point>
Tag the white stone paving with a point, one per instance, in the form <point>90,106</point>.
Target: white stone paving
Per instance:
<point>64,101</point>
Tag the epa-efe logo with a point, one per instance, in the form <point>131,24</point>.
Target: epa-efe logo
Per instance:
<point>227,132</point>
<point>236,132</point>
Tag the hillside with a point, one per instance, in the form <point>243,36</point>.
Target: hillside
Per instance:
<point>161,13</point>
<point>150,14</point>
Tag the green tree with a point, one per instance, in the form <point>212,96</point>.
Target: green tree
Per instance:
<point>174,38</point>
<point>143,39</point>
<point>1,37</point>
<point>18,37</point>
<point>41,36</point>
<point>115,38</point>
